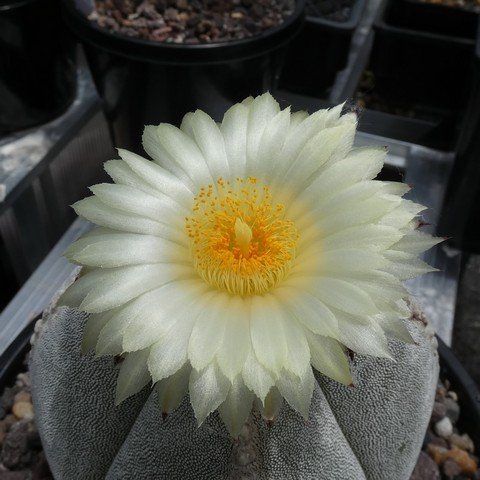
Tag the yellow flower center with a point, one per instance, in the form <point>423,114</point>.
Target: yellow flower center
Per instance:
<point>240,242</point>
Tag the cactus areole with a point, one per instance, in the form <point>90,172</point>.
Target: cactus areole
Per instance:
<point>241,266</point>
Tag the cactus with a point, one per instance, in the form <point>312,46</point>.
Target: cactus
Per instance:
<point>243,266</point>
<point>372,431</point>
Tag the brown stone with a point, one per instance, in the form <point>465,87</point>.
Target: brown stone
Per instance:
<point>467,464</point>
<point>437,453</point>
<point>23,410</point>
<point>23,396</point>
<point>425,469</point>
<point>22,475</point>
<point>9,420</point>
<point>450,468</point>
<point>439,411</point>
<point>464,461</point>
<point>430,437</point>
<point>464,442</point>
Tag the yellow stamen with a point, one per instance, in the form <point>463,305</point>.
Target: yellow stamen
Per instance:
<point>243,237</point>
<point>240,242</point>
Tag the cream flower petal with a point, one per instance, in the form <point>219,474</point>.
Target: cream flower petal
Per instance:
<point>208,331</point>
<point>208,389</point>
<point>121,173</point>
<point>172,390</point>
<point>415,242</point>
<point>271,143</point>
<point>297,391</point>
<point>235,344</point>
<point>329,358</point>
<point>170,352</point>
<point>234,129</point>
<point>133,375</point>
<point>178,153</point>
<point>209,138</point>
<point>261,111</point>
<point>361,164</point>
<point>94,326</point>
<point>96,211</point>
<point>394,327</point>
<point>309,310</point>
<point>256,377</point>
<point>373,237</point>
<point>119,285</point>
<point>245,254</point>
<point>337,262</point>
<point>267,335</point>
<point>237,406</point>
<point>121,249</point>
<point>132,200</point>
<point>341,295</point>
<point>272,404</point>
<point>157,177</point>
<point>362,336</point>
<point>165,307</point>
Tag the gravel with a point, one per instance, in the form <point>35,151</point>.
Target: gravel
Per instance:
<point>190,21</point>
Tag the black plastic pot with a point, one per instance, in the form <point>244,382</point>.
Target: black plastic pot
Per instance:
<point>434,18</point>
<point>319,52</point>
<point>11,360</point>
<point>37,64</point>
<point>144,82</point>
<point>427,73</point>
<point>461,210</point>
<point>467,390</point>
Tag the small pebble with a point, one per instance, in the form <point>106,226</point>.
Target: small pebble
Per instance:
<point>439,411</point>
<point>453,409</point>
<point>425,469</point>
<point>23,380</point>
<point>440,455</point>
<point>431,438</point>
<point>23,410</point>
<point>437,453</point>
<point>451,469</point>
<point>451,394</point>
<point>10,420</point>
<point>23,396</point>
<point>464,442</point>
<point>22,475</point>
<point>464,461</point>
<point>444,427</point>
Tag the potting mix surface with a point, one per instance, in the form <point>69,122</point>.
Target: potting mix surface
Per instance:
<point>469,5</point>
<point>335,10</point>
<point>190,21</point>
<point>447,453</point>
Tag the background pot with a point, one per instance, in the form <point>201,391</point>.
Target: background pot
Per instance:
<point>434,81</point>
<point>144,82</point>
<point>37,64</point>
<point>319,52</point>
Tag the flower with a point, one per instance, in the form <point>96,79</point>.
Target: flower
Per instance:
<point>244,254</point>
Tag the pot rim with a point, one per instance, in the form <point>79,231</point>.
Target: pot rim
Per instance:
<point>183,54</point>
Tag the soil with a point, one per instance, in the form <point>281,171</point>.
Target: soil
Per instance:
<point>190,21</point>
<point>21,453</point>
<point>335,10</point>
<point>469,5</point>
<point>366,97</point>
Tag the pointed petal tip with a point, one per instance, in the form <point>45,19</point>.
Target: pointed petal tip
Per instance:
<point>269,422</point>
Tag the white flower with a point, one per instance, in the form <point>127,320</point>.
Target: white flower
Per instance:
<point>244,254</point>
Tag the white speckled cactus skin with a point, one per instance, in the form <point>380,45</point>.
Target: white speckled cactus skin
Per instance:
<point>372,431</point>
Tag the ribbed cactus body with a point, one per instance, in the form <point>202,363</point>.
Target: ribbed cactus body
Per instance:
<point>373,430</point>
